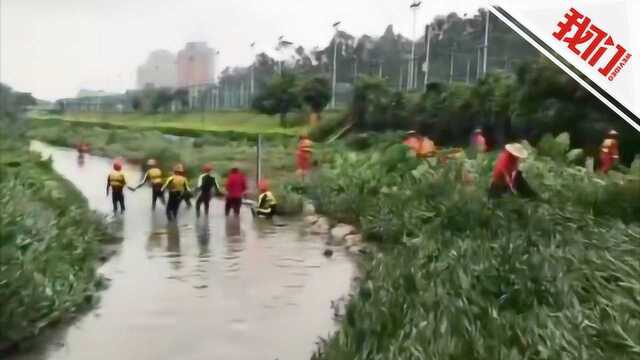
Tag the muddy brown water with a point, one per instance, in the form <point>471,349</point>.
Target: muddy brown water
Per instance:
<point>211,288</point>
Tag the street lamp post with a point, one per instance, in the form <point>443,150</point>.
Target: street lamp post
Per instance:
<point>426,60</point>
<point>486,43</point>
<point>281,45</point>
<point>335,63</point>
<point>410,79</point>
<point>253,65</point>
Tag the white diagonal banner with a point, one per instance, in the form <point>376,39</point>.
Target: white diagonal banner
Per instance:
<point>595,42</point>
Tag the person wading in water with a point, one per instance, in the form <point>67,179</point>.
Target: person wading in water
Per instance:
<point>116,182</point>
<point>178,186</point>
<point>154,177</point>
<point>208,186</point>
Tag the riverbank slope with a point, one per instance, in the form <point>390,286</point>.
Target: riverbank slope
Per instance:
<point>49,243</point>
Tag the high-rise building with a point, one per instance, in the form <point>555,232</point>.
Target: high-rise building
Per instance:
<point>196,65</point>
<point>158,71</point>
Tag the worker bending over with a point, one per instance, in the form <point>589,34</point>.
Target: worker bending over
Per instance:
<point>116,182</point>
<point>421,146</point>
<point>207,186</point>
<point>153,176</point>
<point>267,203</point>
<point>609,152</point>
<point>507,178</point>
<point>178,186</point>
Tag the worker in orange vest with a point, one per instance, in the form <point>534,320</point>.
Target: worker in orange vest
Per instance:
<point>609,152</point>
<point>304,155</point>
<point>419,145</point>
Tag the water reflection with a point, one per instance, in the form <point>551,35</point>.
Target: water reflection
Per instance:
<point>232,227</point>
<point>80,160</point>
<point>211,289</point>
<point>156,236</point>
<point>204,237</point>
<point>173,244</point>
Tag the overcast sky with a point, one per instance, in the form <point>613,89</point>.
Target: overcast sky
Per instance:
<point>55,47</point>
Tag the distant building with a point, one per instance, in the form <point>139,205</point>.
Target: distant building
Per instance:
<point>196,65</point>
<point>86,93</point>
<point>159,71</point>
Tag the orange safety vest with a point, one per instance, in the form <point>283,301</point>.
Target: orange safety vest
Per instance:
<point>422,147</point>
<point>116,179</point>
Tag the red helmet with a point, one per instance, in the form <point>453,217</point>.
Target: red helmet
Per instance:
<point>117,166</point>
<point>263,185</point>
<point>207,167</point>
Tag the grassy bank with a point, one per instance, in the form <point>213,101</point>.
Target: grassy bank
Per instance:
<point>461,277</point>
<point>225,121</point>
<point>223,150</point>
<point>49,243</point>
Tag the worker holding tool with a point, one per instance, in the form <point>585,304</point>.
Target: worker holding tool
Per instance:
<point>507,178</point>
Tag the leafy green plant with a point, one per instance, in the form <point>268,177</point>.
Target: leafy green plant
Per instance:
<point>49,242</point>
<point>468,278</point>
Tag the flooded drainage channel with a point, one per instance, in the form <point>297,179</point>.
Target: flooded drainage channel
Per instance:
<point>213,288</point>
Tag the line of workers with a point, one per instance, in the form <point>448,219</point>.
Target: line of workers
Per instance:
<point>506,177</point>
<point>179,189</point>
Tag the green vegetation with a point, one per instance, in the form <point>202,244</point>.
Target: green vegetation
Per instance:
<point>11,102</point>
<point>462,277</point>
<point>280,97</point>
<point>278,164</point>
<point>385,55</point>
<point>229,121</point>
<point>537,100</point>
<point>49,242</point>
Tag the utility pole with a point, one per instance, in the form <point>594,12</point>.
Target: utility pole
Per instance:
<point>486,43</point>
<point>410,78</point>
<point>468,70</point>
<point>380,69</point>
<point>478,69</point>
<point>451,67</point>
<point>426,60</point>
<point>400,81</point>
<point>279,49</point>
<point>335,64</point>
<point>355,69</point>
